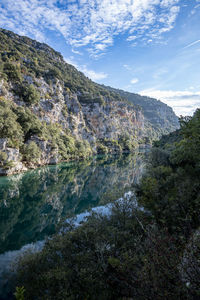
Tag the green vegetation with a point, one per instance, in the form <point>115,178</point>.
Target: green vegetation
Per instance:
<point>148,252</point>
<point>35,80</point>
<point>124,144</point>
<point>9,127</point>
<point>21,57</point>
<point>19,124</point>
<point>3,159</point>
<point>32,152</point>
<point>19,294</point>
<point>12,71</point>
<point>91,98</point>
<point>29,94</point>
<point>171,186</point>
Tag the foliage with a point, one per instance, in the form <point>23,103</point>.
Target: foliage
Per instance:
<point>29,94</point>
<point>31,152</point>
<point>170,189</point>
<point>148,252</point>
<point>83,149</point>
<point>105,258</point>
<point>12,71</point>
<point>91,98</point>
<point>102,149</point>
<point>9,127</point>
<point>22,56</point>
<point>19,294</point>
<point>24,64</point>
<point>4,163</point>
<point>3,157</point>
<point>29,123</point>
<point>127,143</point>
<point>19,124</point>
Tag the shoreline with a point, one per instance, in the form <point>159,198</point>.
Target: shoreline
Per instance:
<point>28,167</point>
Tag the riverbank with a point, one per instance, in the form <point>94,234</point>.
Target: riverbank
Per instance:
<point>17,167</point>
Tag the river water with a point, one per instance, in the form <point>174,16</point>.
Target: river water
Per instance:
<point>33,204</point>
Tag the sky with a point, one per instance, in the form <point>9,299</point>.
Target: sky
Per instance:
<point>149,47</point>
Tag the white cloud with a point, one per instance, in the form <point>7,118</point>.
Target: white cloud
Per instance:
<point>92,74</point>
<point>127,67</point>
<point>92,23</point>
<point>131,38</point>
<point>88,72</point>
<point>183,102</point>
<point>76,52</point>
<point>134,80</point>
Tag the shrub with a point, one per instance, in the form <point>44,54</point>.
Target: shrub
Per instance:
<point>52,73</point>
<point>9,127</point>
<point>29,94</point>
<point>3,157</point>
<point>12,71</point>
<point>31,152</point>
<point>19,294</point>
<point>101,149</point>
<point>30,123</point>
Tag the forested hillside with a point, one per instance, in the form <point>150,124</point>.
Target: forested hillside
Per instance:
<point>50,112</point>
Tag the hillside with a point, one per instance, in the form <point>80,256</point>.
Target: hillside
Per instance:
<point>50,112</point>
<point>157,113</point>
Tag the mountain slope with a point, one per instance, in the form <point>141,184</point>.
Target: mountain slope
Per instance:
<point>158,114</point>
<point>49,111</point>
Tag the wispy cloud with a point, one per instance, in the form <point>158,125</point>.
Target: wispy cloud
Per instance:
<point>183,102</point>
<point>134,80</point>
<point>127,67</point>
<point>76,52</point>
<point>90,23</point>
<point>93,74</point>
<point>88,72</point>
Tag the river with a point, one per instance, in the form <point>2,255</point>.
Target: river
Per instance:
<point>34,203</point>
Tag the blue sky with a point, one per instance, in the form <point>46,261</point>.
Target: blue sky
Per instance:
<point>150,47</point>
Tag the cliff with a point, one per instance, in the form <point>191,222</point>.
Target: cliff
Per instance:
<point>160,116</point>
<point>50,112</point>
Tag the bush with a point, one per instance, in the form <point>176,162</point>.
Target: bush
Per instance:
<point>29,94</point>
<point>101,149</point>
<point>53,73</point>
<point>3,157</point>
<point>13,72</point>
<point>31,152</point>
<point>108,257</point>
<point>30,123</point>
<point>83,149</point>
<point>159,157</point>
<point>9,127</point>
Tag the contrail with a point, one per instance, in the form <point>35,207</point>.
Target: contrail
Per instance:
<point>190,45</point>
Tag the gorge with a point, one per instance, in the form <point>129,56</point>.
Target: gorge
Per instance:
<point>50,112</point>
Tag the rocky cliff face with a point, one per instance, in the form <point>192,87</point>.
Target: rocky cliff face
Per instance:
<point>156,113</point>
<point>50,112</point>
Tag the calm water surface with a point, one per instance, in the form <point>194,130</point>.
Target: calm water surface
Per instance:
<point>34,203</point>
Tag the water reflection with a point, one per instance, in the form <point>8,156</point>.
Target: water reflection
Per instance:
<point>32,204</point>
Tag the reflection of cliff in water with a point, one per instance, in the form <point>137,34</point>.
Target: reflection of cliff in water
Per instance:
<point>32,204</point>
